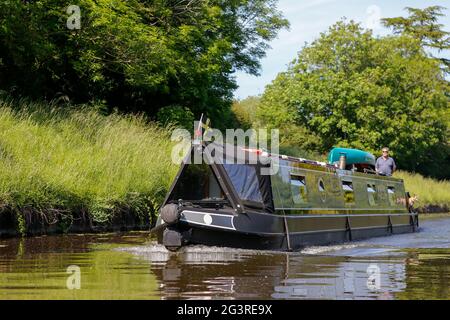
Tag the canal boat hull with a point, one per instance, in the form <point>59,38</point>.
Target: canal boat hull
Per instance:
<point>258,231</point>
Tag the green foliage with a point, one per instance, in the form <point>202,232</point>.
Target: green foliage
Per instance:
<point>351,89</point>
<point>294,141</point>
<point>21,224</point>
<point>136,55</point>
<point>245,111</point>
<point>66,161</point>
<point>176,115</point>
<point>423,25</point>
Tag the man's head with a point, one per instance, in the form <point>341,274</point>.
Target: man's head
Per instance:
<point>385,152</point>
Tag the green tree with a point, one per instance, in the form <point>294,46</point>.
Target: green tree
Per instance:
<point>245,110</point>
<point>423,24</point>
<point>136,55</point>
<point>351,89</point>
<point>177,116</point>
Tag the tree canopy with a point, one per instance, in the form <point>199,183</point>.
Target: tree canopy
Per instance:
<point>135,55</point>
<point>423,25</point>
<point>244,111</point>
<point>351,89</point>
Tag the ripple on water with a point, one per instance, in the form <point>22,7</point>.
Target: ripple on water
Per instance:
<point>157,253</point>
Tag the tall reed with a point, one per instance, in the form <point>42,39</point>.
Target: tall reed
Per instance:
<point>77,159</point>
<point>429,191</point>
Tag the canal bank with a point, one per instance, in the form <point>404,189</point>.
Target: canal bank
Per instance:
<point>430,209</point>
<point>33,223</point>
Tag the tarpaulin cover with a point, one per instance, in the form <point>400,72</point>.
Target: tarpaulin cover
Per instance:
<point>265,186</point>
<point>250,185</point>
<point>245,181</point>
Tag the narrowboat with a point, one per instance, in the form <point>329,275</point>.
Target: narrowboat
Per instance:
<point>229,201</point>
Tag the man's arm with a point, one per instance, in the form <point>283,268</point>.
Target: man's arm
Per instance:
<point>394,166</point>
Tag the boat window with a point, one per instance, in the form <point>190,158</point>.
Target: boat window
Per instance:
<point>298,188</point>
<point>391,195</point>
<point>197,182</point>
<point>349,195</point>
<point>281,186</point>
<point>245,181</point>
<point>347,186</point>
<point>372,194</point>
<point>321,186</point>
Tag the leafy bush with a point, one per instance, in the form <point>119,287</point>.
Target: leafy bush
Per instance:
<point>176,115</point>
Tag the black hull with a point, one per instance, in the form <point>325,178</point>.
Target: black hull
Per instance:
<point>208,237</point>
<point>286,233</point>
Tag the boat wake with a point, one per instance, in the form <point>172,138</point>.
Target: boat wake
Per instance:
<point>157,253</point>
<point>320,250</point>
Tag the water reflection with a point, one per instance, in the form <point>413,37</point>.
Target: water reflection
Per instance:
<point>133,266</point>
<point>36,268</point>
<point>427,275</point>
<point>207,273</point>
<point>399,267</point>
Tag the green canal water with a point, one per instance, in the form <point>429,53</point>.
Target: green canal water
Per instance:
<point>133,266</point>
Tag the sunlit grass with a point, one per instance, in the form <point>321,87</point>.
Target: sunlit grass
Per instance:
<point>80,160</point>
<point>429,191</point>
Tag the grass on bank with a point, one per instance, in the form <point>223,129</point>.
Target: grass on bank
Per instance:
<point>61,160</point>
<point>429,191</point>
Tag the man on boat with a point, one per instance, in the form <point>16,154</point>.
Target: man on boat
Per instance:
<point>385,165</point>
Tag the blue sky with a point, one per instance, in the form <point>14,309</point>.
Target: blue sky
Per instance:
<point>309,18</point>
